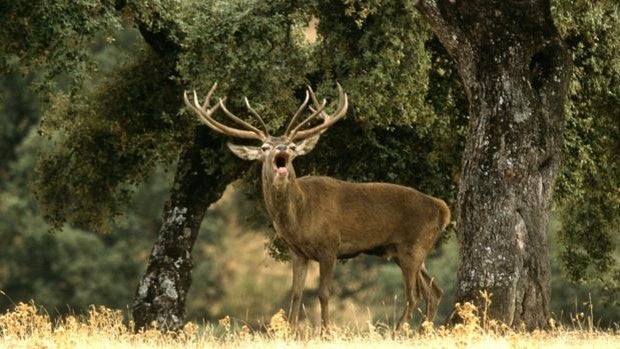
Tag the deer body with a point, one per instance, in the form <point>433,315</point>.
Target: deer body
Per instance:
<point>325,219</point>
<point>353,218</point>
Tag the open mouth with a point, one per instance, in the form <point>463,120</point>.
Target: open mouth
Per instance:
<point>280,162</point>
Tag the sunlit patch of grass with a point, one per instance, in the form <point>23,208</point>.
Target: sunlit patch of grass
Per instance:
<point>28,326</point>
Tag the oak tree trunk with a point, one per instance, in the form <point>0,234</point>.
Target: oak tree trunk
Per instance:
<point>160,296</point>
<point>515,69</point>
<point>161,293</point>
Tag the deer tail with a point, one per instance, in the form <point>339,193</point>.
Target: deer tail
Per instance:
<point>444,215</point>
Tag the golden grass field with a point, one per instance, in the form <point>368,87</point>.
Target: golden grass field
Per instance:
<point>29,327</point>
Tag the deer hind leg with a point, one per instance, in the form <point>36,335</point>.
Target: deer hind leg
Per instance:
<point>300,271</point>
<point>430,292</point>
<point>410,264</point>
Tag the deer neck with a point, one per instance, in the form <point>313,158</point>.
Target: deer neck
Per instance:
<point>284,203</point>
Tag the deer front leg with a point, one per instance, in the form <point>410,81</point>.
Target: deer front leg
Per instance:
<point>300,271</point>
<point>326,269</point>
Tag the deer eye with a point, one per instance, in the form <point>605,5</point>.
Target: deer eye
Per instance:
<point>266,147</point>
<point>292,147</point>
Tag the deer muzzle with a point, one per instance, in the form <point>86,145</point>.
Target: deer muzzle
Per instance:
<point>281,162</point>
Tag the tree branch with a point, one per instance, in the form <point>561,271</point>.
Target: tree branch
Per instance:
<point>449,34</point>
<point>442,15</point>
<point>157,32</point>
<point>159,40</point>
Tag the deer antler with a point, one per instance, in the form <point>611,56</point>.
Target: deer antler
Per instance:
<point>328,120</point>
<point>205,112</point>
<point>247,104</point>
<point>302,107</point>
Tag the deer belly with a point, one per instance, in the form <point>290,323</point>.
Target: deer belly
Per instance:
<point>349,250</point>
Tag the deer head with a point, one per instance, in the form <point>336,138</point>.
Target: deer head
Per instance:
<point>276,153</point>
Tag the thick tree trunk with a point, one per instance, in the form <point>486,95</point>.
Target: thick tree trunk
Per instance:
<point>515,70</point>
<point>160,296</point>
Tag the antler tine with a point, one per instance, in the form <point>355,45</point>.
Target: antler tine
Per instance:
<point>315,100</point>
<point>308,119</point>
<point>239,121</point>
<point>297,113</point>
<point>328,121</point>
<point>205,116</point>
<point>255,113</point>
<point>208,97</point>
<point>196,109</point>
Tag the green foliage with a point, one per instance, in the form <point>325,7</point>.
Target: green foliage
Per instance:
<point>587,193</point>
<point>52,36</point>
<point>569,297</point>
<point>18,114</point>
<point>104,148</point>
<point>376,50</point>
<point>249,48</point>
<point>70,267</point>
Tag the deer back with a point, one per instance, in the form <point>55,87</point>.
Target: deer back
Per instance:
<point>361,216</point>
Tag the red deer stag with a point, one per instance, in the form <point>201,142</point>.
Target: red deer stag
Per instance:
<point>325,219</point>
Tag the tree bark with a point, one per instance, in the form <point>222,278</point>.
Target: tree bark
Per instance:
<point>160,296</point>
<point>515,70</point>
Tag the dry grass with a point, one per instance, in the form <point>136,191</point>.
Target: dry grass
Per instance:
<point>29,327</point>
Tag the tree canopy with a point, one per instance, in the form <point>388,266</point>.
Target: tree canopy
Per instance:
<point>109,136</point>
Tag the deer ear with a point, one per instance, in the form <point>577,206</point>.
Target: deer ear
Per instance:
<point>246,152</point>
<point>305,146</point>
